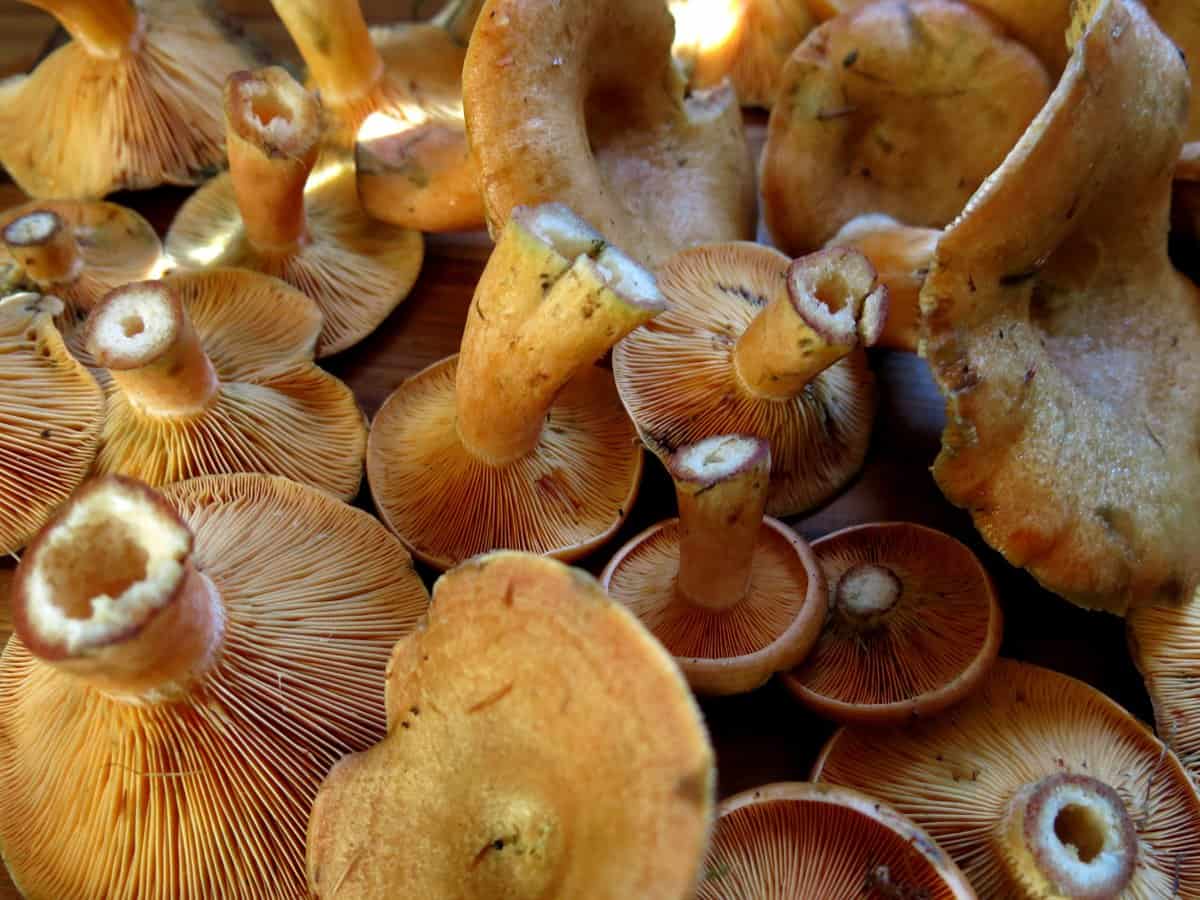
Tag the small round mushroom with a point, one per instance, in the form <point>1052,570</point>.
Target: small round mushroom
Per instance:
<point>541,744</point>
<point>272,213</point>
<point>185,670</point>
<point>733,596</point>
<point>520,434</point>
<point>1039,786</point>
<point>131,102</point>
<point>753,343</point>
<point>793,839</point>
<point>212,373</point>
<point>914,625</point>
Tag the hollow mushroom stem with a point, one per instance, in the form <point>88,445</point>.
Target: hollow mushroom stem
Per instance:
<point>105,28</point>
<point>833,304</point>
<point>332,37</point>
<point>108,592</point>
<point>721,487</point>
<point>866,594</point>
<point>143,336</point>
<point>45,246</point>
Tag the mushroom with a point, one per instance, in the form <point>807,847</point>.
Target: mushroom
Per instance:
<point>1038,786</point>
<point>794,839</point>
<point>914,625</point>
<point>186,668</point>
<point>540,744</point>
<point>733,596</point>
<point>52,411</point>
<point>1185,201</point>
<point>1064,341</point>
<point>131,102</point>
<point>212,373</point>
<point>272,213</point>
<point>755,344</point>
<point>900,108</point>
<point>604,124</point>
<point>520,434</point>
<point>6,577</point>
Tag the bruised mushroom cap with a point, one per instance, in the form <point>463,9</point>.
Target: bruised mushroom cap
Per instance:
<point>1065,343</point>
<point>132,105</point>
<point>52,410</point>
<point>313,595</point>
<point>794,839</point>
<point>654,170</point>
<point>1035,764</point>
<point>914,625</point>
<point>901,108</point>
<point>541,744</point>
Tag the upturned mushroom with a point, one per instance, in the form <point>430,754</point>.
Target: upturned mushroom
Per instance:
<point>914,625</point>
<point>733,596</point>
<point>540,744</point>
<point>579,101</point>
<point>1064,341</point>
<point>520,434</point>
<point>756,344</point>
<point>185,670</point>
<point>1038,786</point>
<point>212,373</point>
<point>131,102</point>
<point>273,213</point>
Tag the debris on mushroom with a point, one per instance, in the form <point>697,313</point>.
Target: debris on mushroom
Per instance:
<point>914,625</point>
<point>580,101</point>
<point>1065,342</point>
<point>735,597</point>
<point>756,344</point>
<point>900,108</point>
<point>1038,786</point>
<point>213,373</point>
<point>540,744</point>
<point>794,839</point>
<point>133,101</point>
<point>273,213</point>
<point>185,670</point>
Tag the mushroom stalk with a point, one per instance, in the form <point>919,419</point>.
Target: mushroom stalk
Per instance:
<point>721,487</point>
<point>106,28</point>
<point>866,594</point>
<point>833,304</point>
<point>332,37</point>
<point>457,19</point>
<point>45,246</point>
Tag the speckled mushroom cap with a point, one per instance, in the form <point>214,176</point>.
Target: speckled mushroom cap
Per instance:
<point>1064,341</point>
<point>228,641</point>
<point>792,839</point>
<point>1038,786</point>
<point>541,744</point>
<point>132,102</point>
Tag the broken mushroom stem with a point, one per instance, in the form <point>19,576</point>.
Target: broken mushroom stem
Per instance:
<point>333,39</point>
<point>866,594</point>
<point>834,303</point>
<point>105,28</point>
<point>45,247</point>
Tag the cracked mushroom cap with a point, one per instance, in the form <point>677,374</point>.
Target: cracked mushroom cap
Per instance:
<point>1065,342</point>
<point>900,108</point>
<point>793,839</point>
<point>1037,786</point>
<point>132,102</point>
<point>228,639</point>
<point>914,625</point>
<point>652,167</point>
<point>52,410</point>
<point>212,373</point>
<point>541,744</point>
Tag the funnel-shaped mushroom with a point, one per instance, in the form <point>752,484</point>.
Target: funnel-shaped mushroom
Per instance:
<point>520,436</point>
<point>914,625</point>
<point>733,596</point>
<point>132,102</point>
<point>212,373</point>
<point>754,344</point>
<point>795,840</point>
<point>1066,344</point>
<point>272,213</point>
<point>1039,786</point>
<point>186,668</point>
<point>901,108</point>
<point>52,410</point>
<point>541,744</point>
<point>579,101</point>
